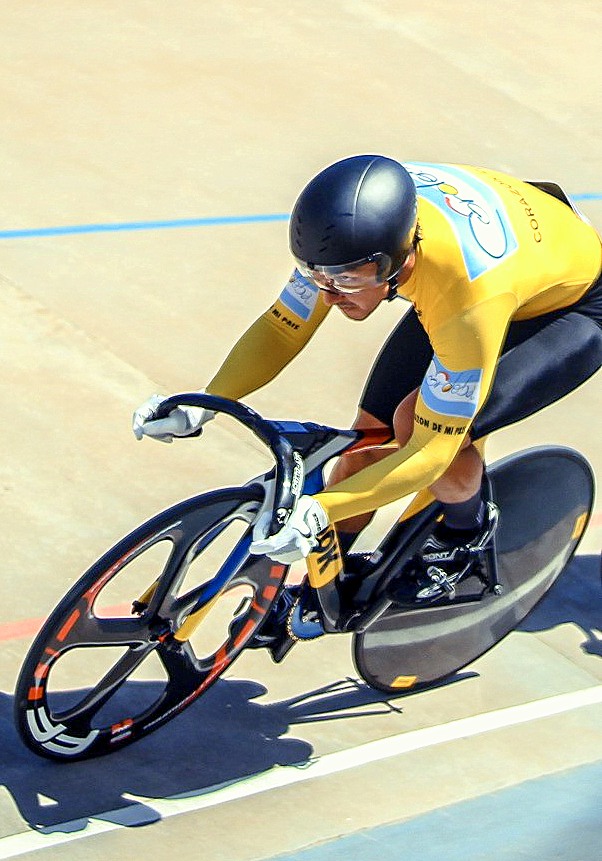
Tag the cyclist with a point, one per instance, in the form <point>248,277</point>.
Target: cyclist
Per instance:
<point>504,281</point>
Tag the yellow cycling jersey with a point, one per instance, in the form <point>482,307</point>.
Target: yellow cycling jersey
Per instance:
<point>493,249</point>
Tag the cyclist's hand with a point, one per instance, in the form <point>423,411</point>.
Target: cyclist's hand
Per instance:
<point>183,421</point>
<point>298,536</point>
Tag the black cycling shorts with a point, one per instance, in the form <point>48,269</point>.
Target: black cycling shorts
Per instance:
<point>543,359</point>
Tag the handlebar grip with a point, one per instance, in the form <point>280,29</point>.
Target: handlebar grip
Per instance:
<point>289,464</point>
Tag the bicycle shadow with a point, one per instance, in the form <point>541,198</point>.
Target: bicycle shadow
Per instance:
<point>222,738</point>
<point>575,598</point>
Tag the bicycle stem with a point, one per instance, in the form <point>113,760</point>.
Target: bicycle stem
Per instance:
<point>289,465</point>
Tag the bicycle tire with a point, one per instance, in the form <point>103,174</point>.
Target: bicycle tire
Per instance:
<point>96,721</point>
<point>545,495</point>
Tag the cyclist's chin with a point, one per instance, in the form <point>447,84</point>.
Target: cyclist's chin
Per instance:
<point>355,312</point>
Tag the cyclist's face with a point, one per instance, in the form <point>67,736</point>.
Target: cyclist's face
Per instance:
<point>365,292</point>
<point>357,293</point>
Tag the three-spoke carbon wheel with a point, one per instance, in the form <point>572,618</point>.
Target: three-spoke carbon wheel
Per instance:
<point>147,629</point>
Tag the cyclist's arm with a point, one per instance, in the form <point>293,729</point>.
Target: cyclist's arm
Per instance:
<point>453,390</point>
<point>272,341</point>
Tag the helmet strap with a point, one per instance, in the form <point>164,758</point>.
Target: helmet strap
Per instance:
<point>393,280</point>
<point>392,285</point>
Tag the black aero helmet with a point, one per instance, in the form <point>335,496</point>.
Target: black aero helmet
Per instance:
<point>357,210</point>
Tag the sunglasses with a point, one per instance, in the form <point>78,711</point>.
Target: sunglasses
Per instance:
<point>348,279</point>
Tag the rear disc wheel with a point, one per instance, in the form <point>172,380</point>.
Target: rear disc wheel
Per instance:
<point>545,496</point>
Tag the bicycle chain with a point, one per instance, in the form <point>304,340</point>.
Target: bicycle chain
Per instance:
<point>289,621</point>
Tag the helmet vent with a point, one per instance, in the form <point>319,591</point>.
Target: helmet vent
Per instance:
<point>327,238</point>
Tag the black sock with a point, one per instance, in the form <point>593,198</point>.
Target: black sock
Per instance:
<point>462,520</point>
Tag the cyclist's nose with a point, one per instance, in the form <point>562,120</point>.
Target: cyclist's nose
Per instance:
<point>332,298</point>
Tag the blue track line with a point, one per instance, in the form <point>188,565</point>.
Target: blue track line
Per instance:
<point>116,227</point>
<point>140,225</point>
<point>594,195</point>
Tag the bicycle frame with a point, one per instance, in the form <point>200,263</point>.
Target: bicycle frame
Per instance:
<point>301,451</point>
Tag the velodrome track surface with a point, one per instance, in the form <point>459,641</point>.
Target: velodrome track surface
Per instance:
<point>150,153</point>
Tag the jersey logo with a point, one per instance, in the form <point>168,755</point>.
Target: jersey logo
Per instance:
<point>451,393</point>
<point>474,210</point>
<point>300,295</point>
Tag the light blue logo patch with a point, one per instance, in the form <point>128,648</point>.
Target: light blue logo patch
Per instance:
<point>451,393</point>
<point>473,209</point>
<point>300,295</point>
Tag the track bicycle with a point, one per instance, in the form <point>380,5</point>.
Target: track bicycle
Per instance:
<point>161,602</point>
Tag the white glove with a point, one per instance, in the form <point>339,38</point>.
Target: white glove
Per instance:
<point>298,536</point>
<point>181,421</point>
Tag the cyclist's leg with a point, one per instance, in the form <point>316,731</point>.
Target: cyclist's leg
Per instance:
<point>463,476</point>
<point>460,486</point>
<point>543,359</point>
